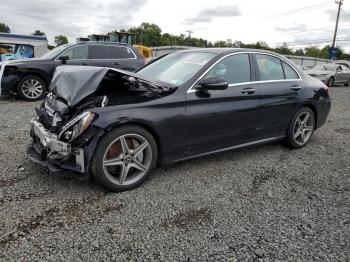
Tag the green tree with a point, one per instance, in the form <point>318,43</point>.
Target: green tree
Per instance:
<point>50,47</point>
<point>284,50</point>
<point>38,33</point>
<point>221,43</point>
<point>147,34</point>
<point>4,28</point>
<point>313,51</point>
<point>299,52</point>
<point>61,40</point>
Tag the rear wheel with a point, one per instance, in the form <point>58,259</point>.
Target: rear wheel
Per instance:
<point>301,128</point>
<point>331,81</point>
<point>347,83</point>
<point>31,88</point>
<point>124,158</point>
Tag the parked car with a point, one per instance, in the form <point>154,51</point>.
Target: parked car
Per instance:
<point>19,52</point>
<point>343,62</point>
<point>117,125</point>
<point>331,74</point>
<point>30,78</point>
<point>13,46</point>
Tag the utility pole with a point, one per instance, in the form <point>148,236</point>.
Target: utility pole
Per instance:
<point>340,3</point>
<point>189,35</point>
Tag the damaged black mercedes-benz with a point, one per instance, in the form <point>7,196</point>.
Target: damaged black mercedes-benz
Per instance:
<point>117,125</point>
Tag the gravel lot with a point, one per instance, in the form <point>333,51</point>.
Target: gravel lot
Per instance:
<point>266,203</point>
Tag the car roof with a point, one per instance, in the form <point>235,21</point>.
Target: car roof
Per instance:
<point>102,43</point>
<point>226,50</point>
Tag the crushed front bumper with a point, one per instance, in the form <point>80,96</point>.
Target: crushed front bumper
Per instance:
<point>48,151</point>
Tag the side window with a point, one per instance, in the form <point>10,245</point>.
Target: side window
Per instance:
<point>270,68</point>
<point>344,68</point>
<point>234,69</point>
<point>25,51</point>
<point>77,52</point>
<point>124,52</point>
<point>101,52</point>
<point>289,72</point>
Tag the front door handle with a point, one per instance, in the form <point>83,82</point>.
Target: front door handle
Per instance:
<point>84,64</point>
<point>295,88</point>
<point>248,91</point>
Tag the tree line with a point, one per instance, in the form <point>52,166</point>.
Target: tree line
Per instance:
<point>150,34</point>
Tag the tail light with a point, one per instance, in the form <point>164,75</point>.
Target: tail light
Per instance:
<point>326,88</point>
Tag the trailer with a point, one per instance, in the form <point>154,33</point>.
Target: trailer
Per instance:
<point>14,46</point>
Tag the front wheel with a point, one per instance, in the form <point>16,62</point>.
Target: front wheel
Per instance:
<point>31,88</point>
<point>301,128</point>
<point>124,158</point>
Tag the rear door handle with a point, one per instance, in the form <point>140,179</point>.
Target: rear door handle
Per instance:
<point>248,90</point>
<point>116,63</point>
<point>83,64</point>
<point>295,88</point>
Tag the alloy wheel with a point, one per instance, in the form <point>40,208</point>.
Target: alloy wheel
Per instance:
<point>127,159</point>
<point>303,128</point>
<point>32,88</point>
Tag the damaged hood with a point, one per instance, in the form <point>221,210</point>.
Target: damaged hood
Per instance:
<point>74,83</point>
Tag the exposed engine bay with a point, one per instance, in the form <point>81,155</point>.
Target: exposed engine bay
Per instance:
<point>74,91</point>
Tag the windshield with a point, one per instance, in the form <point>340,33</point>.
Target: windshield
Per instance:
<point>55,52</point>
<point>176,68</point>
<point>325,67</point>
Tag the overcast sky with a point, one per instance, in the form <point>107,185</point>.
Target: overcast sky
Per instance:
<point>273,21</point>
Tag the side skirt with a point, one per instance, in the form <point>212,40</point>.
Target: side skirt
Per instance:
<point>253,143</point>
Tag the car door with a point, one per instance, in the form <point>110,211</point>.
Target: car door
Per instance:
<point>344,74</point>
<point>279,85</point>
<point>102,55</point>
<point>219,119</point>
<point>78,55</point>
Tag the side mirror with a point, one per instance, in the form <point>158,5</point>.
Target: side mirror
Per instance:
<point>64,58</point>
<point>211,83</point>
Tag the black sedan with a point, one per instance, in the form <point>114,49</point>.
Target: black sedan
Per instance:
<point>117,125</point>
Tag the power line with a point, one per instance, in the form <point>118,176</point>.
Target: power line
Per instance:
<point>305,8</point>
<point>321,41</point>
<point>310,30</point>
<point>346,12</point>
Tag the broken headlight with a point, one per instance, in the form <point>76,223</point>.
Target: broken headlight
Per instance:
<point>76,126</point>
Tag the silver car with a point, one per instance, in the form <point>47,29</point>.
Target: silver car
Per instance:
<point>331,74</point>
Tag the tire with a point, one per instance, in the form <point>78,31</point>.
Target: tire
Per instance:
<point>31,88</point>
<point>299,133</point>
<point>331,82</point>
<point>347,83</point>
<point>111,161</point>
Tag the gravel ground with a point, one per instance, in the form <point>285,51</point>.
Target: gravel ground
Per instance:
<point>266,203</point>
